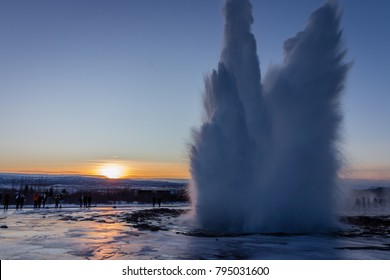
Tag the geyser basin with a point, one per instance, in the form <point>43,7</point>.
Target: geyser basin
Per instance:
<point>266,157</point>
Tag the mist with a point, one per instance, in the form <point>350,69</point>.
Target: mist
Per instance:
<point>266,156</point>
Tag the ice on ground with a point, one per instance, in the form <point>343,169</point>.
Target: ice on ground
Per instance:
<point>147,233</point>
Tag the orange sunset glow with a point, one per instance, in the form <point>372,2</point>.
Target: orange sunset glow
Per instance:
<point>112,171</point>
<point>108,169</point>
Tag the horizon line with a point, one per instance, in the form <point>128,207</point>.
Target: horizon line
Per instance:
<point>75,174</point>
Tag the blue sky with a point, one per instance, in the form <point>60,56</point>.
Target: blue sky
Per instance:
<point>91,81</point>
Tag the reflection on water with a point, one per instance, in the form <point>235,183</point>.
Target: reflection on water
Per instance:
<point>106,233</point>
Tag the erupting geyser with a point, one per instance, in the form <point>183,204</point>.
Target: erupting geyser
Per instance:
<point>266,156</point>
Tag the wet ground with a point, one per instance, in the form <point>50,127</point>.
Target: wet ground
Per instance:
<point>145,233</point>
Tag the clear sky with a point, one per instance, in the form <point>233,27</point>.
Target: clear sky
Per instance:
<point>89,82</point>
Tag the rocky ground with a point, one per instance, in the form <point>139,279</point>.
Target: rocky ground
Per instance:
<point>159,233</point>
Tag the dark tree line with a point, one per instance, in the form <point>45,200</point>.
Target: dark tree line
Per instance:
<point>108,196</point>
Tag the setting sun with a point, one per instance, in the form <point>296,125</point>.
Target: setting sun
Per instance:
<point>112,171</point>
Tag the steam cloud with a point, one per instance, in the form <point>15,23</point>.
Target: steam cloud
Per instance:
<point>266,156</point>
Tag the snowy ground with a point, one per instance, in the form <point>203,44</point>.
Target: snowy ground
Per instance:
<point>138,232</point>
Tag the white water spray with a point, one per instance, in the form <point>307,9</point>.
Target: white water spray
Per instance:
<point>266,156</point>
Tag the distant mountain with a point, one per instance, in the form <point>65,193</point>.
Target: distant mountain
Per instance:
<point>8,180</point>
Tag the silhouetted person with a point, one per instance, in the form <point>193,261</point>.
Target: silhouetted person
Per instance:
<point>17,200</point>
<point>89,200</point>
<point>36,197</point>
<point>57,200</point>
<point>61,199</point>
<point>40,198</point>
<point>154,201</point>
<point>22,199</point>
<point>381,202</point>
<point>159,202</point>
<point>44,198</point>
<point>81,201</point>
<point>6,201</point>
<point>85,201</point>
<point>375,202</point>
<point>1,196</point>
<point>363,202</point>
<point>357,203</point>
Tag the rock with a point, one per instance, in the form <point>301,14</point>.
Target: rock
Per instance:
<point>3,226</point>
